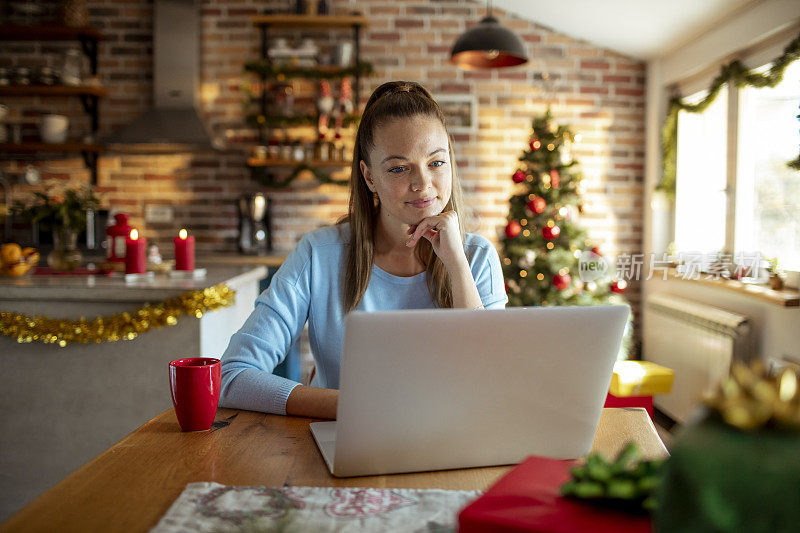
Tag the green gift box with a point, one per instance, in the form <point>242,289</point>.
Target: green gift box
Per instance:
<point>722,479</point>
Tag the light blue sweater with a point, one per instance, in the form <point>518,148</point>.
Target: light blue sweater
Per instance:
<point>307,287</point>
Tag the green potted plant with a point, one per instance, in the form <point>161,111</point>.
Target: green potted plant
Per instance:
<point>775,275</point>
<point>63,212</point>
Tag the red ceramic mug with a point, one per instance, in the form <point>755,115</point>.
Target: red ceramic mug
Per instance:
<point>194,383</point>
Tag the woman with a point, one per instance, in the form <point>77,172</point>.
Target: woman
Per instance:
<point>401,246</point>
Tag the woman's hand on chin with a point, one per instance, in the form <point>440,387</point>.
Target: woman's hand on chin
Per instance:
<point>443,232</point>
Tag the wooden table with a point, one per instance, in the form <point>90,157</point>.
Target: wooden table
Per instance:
<point>132,484</point>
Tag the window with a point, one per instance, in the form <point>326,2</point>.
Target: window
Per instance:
<point>763,127</point>
<point>767,191</point>
<point>701,176</point>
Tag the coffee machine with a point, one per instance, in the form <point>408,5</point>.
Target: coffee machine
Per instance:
<point>255,224</point>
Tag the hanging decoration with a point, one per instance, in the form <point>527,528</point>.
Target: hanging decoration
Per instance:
<point>735,73</point>
<point>120,326</point>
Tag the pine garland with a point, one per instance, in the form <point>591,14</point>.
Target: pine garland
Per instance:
<point>736,73</point>
<point>266,178</point>
<point>281,72</point>
<point>285,121</point>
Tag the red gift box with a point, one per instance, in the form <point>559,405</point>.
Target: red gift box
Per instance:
<point>630,401</point>
<point>528,499</point>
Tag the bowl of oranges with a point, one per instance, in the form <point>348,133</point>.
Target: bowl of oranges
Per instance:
<point>16,261</point>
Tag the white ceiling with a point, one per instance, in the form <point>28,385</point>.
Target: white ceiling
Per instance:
<point>642,29</point>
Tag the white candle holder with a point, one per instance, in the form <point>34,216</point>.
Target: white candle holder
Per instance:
<point>138,278</point>
<point>197,273</point>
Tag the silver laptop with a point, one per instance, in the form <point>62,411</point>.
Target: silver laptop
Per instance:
<point>442,389</point>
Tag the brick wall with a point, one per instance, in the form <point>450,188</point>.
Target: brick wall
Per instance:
<point>598,92</point>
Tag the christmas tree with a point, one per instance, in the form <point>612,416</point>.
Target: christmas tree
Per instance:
<point>547,257</point>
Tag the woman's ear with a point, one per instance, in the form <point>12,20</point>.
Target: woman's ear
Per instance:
<point>367,175</point>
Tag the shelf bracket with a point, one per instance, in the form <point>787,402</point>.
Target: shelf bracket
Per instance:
<point>89,102</point>
<point>90,159</point>
<point>90,49</point>
<point>263,88</point>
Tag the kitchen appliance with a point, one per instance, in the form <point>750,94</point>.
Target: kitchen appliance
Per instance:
<point>255,224</point>
<point>173,122</point>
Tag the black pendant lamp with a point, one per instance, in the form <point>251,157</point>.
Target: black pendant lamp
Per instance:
<point>488,45</point>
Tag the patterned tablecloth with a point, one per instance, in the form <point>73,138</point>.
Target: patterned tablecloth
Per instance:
<point>209,506</point>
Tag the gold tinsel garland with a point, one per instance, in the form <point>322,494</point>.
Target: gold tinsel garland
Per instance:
<point>752,398</point>
<point>116,327</point>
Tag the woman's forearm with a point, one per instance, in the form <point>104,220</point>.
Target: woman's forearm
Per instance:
<point>465,292</point>
<point>313,402</point>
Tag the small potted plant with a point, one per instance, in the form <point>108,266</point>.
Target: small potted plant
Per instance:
<point>775,275</point>
<point>65,214</point>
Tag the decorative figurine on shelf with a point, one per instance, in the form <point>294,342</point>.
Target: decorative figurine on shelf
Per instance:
<point>344,105</point>
<point>153,255</point>
<point>324,106</point>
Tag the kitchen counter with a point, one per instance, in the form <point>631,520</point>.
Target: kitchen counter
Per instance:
<point>114,288</point>
<point>272,261</point>
<point>63,406</point>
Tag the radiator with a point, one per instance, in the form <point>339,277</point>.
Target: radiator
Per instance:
<point>698,342</point>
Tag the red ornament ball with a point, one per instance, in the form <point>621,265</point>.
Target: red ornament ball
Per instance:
<point>518,177</point>
<point>619,286</point>
<point>535,144</point>
<point>537,205</point>
<point>512,229</point>
<point>555,179</point>
<point>561,282</point>
<point>550,233</point>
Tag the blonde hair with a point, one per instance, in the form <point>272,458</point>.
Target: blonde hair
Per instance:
<point>391,101</point>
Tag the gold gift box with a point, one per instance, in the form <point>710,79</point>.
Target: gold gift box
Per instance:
<point>640,378</point>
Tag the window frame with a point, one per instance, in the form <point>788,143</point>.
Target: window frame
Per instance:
<point>752,59</point>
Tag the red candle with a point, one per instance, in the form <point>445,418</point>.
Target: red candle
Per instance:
<point>135,248</point>
<point>184,251</point>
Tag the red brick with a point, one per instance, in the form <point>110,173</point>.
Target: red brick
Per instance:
<point>595,65</point>
<point>628,92</point>
<point>594,90</point>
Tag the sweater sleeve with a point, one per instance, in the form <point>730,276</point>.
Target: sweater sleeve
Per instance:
<point>488,274</point>
<point>266,337</point>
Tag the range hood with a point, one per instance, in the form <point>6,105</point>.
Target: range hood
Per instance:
<point>173,123</point>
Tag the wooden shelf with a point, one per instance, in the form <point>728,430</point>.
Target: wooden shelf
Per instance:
<point>50,147</point>
<point>309,21</point>
<point>783,298</point>
<point>255,162</point>
<point>52,90</point>
<point>48,33</point>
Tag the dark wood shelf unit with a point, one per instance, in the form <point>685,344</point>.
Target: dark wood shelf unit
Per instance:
<point>89,95</point>
<point>309,21</point>
<point>319,22</point>
<point>27,147</point>
<point>10,32</point>
<point>52,90</point>
<point>256,162</point>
